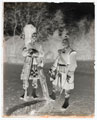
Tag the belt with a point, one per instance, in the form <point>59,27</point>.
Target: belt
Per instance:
<point>61,65</point>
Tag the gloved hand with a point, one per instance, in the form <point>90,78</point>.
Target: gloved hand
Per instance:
<point>52,74</point>
<point>68,78</point>
<point>33,52</point>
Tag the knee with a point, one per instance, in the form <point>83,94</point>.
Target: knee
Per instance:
<point>67,93</point>
<point>34,84</point>
<point>25,84</point>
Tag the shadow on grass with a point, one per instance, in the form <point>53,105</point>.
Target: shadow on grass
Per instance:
<point>23,105</point>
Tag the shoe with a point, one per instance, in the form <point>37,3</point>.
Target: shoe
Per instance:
<point>53,96</point>
<point>22,97</point>
<point>66,103</point>
<point>34,93</point>
<point>35,96</point>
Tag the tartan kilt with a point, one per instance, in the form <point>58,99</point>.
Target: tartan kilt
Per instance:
<point>60,79</point>
<point>29,71</point>
<point>34,74</point>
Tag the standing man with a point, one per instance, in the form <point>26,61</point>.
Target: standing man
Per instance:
<point>33,64</point>
<point>62,71</point>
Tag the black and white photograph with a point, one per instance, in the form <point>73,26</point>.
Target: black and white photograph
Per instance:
<point>49,59</point>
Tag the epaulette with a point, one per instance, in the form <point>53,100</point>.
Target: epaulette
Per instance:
<point>72,51</point>
<point>24,48</point>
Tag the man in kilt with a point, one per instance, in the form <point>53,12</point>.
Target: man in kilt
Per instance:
<point>62,71</point>
<point>33,63</point>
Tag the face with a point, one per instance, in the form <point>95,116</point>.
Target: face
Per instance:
<point>34,37</point>
<point>65,43</point>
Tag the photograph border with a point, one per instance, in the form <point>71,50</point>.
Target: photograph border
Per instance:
<point>94,117</point>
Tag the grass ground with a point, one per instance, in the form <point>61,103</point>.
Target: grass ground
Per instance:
<point>82,97</point>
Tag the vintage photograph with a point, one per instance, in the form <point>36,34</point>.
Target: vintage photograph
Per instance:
<point>48,59</point>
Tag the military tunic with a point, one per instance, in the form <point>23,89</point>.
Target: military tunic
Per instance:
<point>65,65</point>
<point>32,63</point>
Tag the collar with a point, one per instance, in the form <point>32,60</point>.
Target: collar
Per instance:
<point>66,50</point>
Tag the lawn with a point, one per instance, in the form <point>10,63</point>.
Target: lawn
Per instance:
<point>81,101</point>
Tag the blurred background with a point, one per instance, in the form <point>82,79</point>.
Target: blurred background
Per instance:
<point>52,21</point>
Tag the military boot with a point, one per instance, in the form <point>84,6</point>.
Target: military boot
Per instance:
<point>34,93</point>
<point>53,95</point>
<point>23,95</point>
<point>66,103</point>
